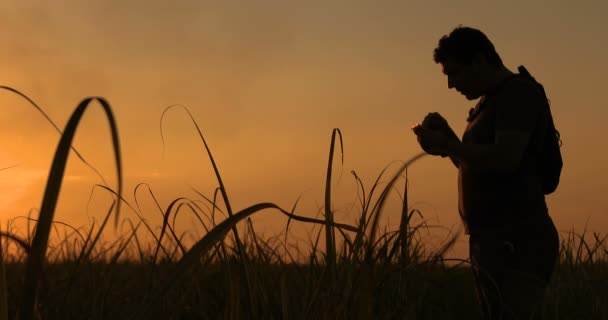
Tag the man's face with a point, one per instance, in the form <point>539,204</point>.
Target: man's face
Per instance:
<point>464,78</point>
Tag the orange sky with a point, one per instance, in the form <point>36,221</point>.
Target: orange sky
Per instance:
<point>268,81</point>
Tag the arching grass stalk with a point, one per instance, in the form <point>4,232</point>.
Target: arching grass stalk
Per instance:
<point>383,196</point>
<point>370,214</point>
<point>156,239</point>
<point>403,241</point>
<point>136,210</point>
<point>366,213</point>
<point>293,209</point>
<point>166,225</point>
<point>215,169</point>
<point>37,107</point>
<point>330,237</point>
<point>215,235</point>
<point>51,194</point>
<point>239,245</point>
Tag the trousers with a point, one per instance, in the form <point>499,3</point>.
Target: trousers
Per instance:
<point>512,270</point>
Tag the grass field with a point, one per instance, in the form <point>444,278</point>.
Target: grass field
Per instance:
<point>347,272</point>
<point>260,284</point>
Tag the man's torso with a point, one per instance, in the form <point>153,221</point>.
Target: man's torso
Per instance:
<point>493,201</point>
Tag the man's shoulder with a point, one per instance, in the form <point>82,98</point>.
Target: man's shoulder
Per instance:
<point>521,90</point>
<point>521,86</point>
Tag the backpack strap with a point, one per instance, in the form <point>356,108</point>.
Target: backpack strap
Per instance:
<point>524,72</point>
<point>549,156</point>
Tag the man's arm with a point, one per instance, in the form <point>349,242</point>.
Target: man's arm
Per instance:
<point>504,156</point>
<point>518,109</point>
<point>454,160</point>
<point>453,139</point>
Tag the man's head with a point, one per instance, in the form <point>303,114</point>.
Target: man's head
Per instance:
<point>469,60</point>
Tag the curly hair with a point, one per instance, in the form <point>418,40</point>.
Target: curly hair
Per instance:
<point>462,44</point>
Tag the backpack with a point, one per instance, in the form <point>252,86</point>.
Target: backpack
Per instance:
<point>550,158</point>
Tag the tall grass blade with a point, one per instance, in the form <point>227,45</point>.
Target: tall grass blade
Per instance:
<point>51,194</point>
<point>167,225</point>
<point>215,235</point>
<point>293,209</point>
<point>330,237</point>
<point>200,248</point>
<point>156,240</point>
<point>215,169</point>
<point>383,196</point>
<point>365,220</point>
<point>136,211</point>
<point>404,237</point>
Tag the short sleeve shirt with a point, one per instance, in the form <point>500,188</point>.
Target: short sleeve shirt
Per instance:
<point>491,201</point>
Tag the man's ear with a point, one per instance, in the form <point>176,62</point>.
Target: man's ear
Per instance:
<point>479,64</point>
<point>479,59</point>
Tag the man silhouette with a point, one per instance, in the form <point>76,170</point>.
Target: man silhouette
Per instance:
<point>513,243</point>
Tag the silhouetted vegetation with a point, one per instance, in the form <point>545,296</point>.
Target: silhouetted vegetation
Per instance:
<point>361,272</point>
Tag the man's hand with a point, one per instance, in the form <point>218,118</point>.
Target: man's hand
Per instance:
<point>432,141</point>
<point>434,121</point>
<point>434,136</point>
